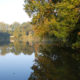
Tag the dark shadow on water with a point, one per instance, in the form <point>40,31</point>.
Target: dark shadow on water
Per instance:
<point>6,42</point>
<point>4,35</point>
<point>4,38</point>
<point>55,63</point>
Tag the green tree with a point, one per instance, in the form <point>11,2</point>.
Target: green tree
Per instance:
<point>59,18</point>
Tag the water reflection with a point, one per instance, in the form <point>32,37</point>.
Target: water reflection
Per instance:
<point>16,48</point>
<point>16,60</point>
<point>38,61</point>
<point>54,63</point>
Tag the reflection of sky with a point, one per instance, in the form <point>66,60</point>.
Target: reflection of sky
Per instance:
<point>14,67</point>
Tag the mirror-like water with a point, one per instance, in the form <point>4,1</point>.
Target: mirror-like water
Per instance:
<point>15,61</point>
<point>13,67</point>
<point>38,61</point>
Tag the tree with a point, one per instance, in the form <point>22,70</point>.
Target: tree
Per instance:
<point>42,11</point>
<point>59,18</point>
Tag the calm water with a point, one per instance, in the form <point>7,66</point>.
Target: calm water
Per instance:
<point>38,61</point>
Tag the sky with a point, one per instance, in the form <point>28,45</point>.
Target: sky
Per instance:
<point>12,11</point>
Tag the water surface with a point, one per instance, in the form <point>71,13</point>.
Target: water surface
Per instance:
<point>38,61</point>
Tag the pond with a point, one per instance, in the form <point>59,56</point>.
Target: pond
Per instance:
<point>38,61</point>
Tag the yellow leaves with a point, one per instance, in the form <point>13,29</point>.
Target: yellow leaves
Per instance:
<point>46,21</point>
<point>34,2</point>
<point>53,20</point>
<point>79,33</point>
<point>41,30</point>
<point>38,16</point>
<point>65,5</point>
<point>44,27</point>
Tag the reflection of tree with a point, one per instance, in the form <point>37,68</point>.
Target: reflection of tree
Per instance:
<point>4,50</point>
<point>53,63</point>
<point>23,47</point>
<point>17,48</point>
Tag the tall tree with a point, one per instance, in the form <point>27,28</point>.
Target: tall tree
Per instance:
<point>60,18</point>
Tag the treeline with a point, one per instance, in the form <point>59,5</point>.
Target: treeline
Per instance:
<point>58,19</point>
<point>16,29</point>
